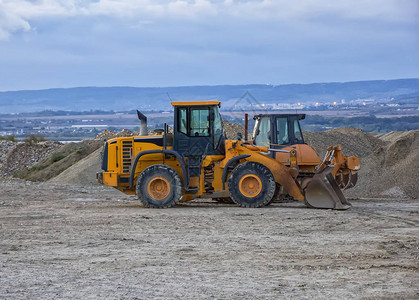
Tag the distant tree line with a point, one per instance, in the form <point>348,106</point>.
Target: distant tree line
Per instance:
<point>367,123</point>
<point>52,113</point>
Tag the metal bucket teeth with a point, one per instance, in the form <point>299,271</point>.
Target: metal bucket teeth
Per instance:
<point>324,192</point>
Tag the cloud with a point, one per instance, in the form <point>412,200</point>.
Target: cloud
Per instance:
<point>10,22</point>
<point>186,42</point>
<point>17,15</point>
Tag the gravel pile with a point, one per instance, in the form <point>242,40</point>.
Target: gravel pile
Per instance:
<point>400,159</point>
<point>59,160</point>
<point>15,156</point>
<point>83,172</point>
<point>389,162</point>
<point>231,130</point>
<point>353,141</point>
<point>105,135</point>
<point>5,147</point>
<point>108,134</point>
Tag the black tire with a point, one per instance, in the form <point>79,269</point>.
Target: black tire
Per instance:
<point>263,194</point>
<point>277,195</point>
<point>163,176</point>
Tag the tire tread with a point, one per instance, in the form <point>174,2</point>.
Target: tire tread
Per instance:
<point>156,170</point>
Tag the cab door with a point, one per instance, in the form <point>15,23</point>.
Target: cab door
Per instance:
<point>193,132</point>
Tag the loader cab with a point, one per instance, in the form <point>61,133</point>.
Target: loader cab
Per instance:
<point>278,129</point>
<point>198,128</point>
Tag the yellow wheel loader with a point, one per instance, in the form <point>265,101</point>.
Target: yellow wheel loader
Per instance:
<point>197,161</point>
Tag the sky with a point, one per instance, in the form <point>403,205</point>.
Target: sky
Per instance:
<point>50,44</point>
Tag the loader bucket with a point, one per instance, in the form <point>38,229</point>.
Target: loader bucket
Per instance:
<point>324,192</point>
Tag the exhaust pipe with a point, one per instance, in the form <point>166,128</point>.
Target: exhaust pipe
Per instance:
<point>143,123</point>
<point>246,122</point>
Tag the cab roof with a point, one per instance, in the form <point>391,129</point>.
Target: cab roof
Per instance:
<point>299,116</point>
<point>195,103</point>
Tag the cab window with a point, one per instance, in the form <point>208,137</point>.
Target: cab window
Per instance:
<point>218,127</point>
<point>282,131</point>
<point>297,133</point>
<point>183,120</point>
<point>199,122</point>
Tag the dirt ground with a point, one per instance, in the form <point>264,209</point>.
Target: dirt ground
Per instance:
<point>62,241</point>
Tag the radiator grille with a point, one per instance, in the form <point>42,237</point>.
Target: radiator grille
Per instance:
<point>126,156</point>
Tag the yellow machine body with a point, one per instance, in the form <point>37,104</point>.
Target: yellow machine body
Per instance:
<point>120,155</point>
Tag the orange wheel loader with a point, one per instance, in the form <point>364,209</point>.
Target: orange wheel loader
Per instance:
<point>321,180</point>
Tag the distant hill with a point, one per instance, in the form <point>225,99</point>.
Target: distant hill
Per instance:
<point>127,98</point>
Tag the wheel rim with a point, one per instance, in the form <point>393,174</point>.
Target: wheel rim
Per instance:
<point>250,185</point>
<point>158,188</point>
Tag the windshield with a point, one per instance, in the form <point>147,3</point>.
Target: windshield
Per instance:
<point>200,121</point>
<point>262,131</point>
<point>282,131</point>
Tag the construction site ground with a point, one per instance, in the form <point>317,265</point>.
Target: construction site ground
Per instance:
<point>66,241</point>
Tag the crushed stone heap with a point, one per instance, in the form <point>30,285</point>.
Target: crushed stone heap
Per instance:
<point>389,162</point>
<point>14,156</point>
